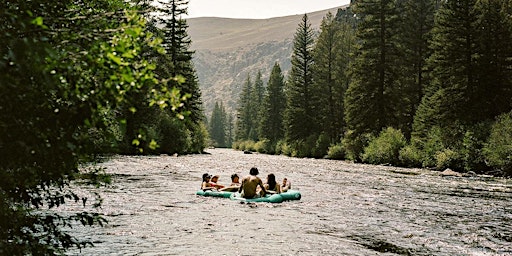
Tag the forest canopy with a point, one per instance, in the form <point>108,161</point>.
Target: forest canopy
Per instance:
<point>415,83</point>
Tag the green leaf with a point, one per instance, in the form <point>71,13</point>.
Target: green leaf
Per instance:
<point>114,58</point>
<point>153,145</point>
<point>38,21</point>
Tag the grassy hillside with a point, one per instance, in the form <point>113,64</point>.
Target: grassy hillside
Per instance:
<point>227,50</point>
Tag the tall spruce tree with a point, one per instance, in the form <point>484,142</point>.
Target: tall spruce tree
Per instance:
<point>274,104</point>
<point>300,114</point>
<point>218,125</point>
<point>179,70</point>
<point>493,95</point>
<point>245,114</point>
<point>447,102</point>
<point>230,130</point>
<point>373,100</point>
<point>331,57</point>
<point>177,45</point>
<point>257,96</point>
<point>415,30</point>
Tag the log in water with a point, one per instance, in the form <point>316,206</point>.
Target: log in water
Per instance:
<point>346,209</point>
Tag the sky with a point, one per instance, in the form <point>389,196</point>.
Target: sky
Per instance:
<point>258,9</point>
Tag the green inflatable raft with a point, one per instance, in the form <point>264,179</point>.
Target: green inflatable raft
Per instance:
<point>270,198</point>
<point>214,193</point>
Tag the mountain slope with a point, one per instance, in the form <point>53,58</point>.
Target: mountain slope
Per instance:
<point>228,50</point>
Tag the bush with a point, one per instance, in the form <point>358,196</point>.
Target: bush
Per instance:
<point>235,145</point>
<point>174,137</point>
<point>447,158</point>
<point>410,156</point>
<point>304,148</point>
<point>245,145</point>
<point>336,152</point>
<point>264,146</point>
<point>321,146</point>
<point>199,138</point>
<point>385,149</point>
<point>354,144</point>
<point>283,148</point>
<point>472,145</point>
<point>431,146</point>
<point>498,149</point>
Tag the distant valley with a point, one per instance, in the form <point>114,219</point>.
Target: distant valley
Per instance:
<point>227,50</point>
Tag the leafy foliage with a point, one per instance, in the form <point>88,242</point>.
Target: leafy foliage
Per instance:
<point>67,70</point>
<point>498,149</point>
<point>385,148</point>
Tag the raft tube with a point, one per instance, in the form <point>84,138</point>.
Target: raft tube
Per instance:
<point>214,193</point>
<point>274,198</point>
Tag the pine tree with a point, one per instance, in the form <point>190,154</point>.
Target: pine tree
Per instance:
<point>331,55</point>
<point>300,113</point>
<point>273,106</point>
<point>180,73</point>
<point>447,100</point>
<point>177,45</point>
<point>373,99</point>
<point>245,114</point>
<point>229,130</point>
<point>415,30</point>
<point>218,125</point>
<point>493,94</point>
<point>257,95</point>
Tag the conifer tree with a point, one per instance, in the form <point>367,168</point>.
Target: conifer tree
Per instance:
<point>274,104</point>
<point>257,96</point>
<point>454,70</point>
<point>373,99</point>
<point>177,45</point>
<point>245,113</point>
<point>230,131</point>
<point>218,125</point>
<point>300,114</point>
<point>493,95</point>
<point>415,30</point>
<point>331,55</point>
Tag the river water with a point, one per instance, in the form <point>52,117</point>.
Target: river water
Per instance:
<point>346,209</point>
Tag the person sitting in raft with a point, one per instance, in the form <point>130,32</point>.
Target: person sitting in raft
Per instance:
<point>272,186</point>
<point>250,183</point>
<point>286,185</point>
<point>235,184</point>
<point>205,185</point>
<point>235,180</point>
<point>214,182</point>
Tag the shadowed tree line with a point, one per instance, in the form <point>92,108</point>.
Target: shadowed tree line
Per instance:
<point>404,82</point>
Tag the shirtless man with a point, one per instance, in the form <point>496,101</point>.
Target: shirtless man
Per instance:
<point>250,184</point>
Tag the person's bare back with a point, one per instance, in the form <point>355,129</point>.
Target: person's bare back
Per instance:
<point>250,184</point>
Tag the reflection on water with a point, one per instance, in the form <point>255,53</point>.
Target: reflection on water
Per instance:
<point>346,209</point>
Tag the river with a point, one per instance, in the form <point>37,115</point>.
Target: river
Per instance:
<point>346,209</point>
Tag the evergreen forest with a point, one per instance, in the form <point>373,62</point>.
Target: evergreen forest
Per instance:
<point>80,80</point>
<point>413,83</point>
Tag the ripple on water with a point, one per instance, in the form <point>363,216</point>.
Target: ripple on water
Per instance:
<point>346,209</point>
